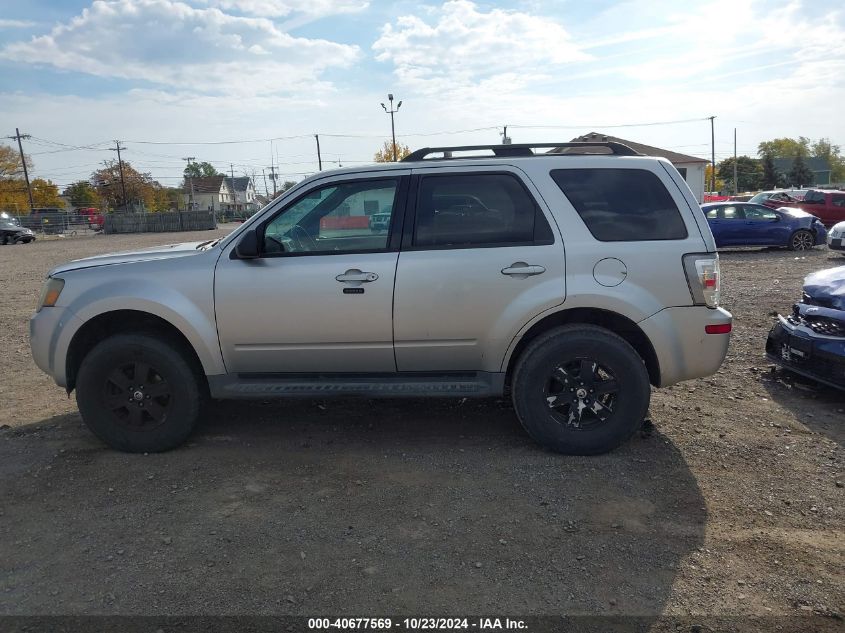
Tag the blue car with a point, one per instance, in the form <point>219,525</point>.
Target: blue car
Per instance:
<point>748,224</point>
<point>811,340</point>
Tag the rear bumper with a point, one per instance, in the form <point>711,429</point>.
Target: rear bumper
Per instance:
<point>804,352</point>
<point>684,350</point>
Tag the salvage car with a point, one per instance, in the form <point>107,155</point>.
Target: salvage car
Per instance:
<point>11,232</point>
<point>572,283</point>
<point>747,224</point>
<point>811,340</point>
<point>836,238</point>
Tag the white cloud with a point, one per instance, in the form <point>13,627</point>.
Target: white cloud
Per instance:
<point>465,46</point>
<point>15,24</point>
<point>171,43</point>
<point>283,8</point>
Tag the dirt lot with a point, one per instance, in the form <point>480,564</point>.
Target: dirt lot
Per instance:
<point>731,506</point>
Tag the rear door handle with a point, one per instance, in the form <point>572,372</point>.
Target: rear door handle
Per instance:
<point>355,275</point>
<point>521,269</point>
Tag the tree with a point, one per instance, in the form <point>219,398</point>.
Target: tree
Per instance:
<point>832,154</point>
<point>385,154</point>
<point>784,147</point>
<point>141,189</point>
<point>10,162</point>
<point>749,172</point>
<point>772,177</point>
<point>708,172</point>
<point>45,193</point>
<point>801,175</point>
<point>82,194</point>
<point>200,170</point>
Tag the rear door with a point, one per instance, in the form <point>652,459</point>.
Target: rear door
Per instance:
<point>480,256</point>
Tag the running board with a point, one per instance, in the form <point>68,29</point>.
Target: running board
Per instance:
<point>396,385</point>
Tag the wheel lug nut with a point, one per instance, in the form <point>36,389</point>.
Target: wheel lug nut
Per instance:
<point>148,397</point>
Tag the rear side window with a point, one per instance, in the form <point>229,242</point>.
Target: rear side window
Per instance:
<point>622,205</point>
<point>468,210</point>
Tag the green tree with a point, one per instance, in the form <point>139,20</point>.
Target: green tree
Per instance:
<point>82,194</point>
<point>832,154</point>
<point>800,175</point>
<point>749,172</point>
<point>784,147</point>
<point>772,177</point>
<point>385,154</point>
<point>200,170</point>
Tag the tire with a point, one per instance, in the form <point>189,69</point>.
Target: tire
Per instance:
<point>161,405</point>
<point>802,240</point>
<point>567,362</point>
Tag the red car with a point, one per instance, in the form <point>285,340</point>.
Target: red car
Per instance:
<point>93,217</point>
<point>827,206</point>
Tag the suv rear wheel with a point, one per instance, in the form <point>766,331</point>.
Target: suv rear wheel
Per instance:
<point>138,394</point>
<point>580,390</point>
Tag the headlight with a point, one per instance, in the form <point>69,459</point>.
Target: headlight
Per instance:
<point>50,292</point>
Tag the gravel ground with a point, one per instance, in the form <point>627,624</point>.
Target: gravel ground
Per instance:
<point>731,505</point>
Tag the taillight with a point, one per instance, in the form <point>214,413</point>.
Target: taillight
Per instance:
<point>703,277</point>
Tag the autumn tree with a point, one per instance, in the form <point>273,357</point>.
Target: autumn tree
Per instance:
<point>13,195</point>
<point>386,153</point>
<point>10,162</point>
<point>749,172</point>
<point>784,147</point>
<point>708,173</point>
<point>141,189</point>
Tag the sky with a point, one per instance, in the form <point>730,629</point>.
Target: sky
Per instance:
<point>247,83</point>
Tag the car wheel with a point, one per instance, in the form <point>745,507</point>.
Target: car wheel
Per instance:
<point>138,394</point>
<point>580,390</point>
<point>802,240</point>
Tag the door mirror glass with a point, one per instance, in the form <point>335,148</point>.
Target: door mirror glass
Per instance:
<point>247,246</point>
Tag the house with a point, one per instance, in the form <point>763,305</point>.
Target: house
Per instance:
<point>244,191</point>
<point>691,168</point>
<point>212,193</point>
<point>819,166</point>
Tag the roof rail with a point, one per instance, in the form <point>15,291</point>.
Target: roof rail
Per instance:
<point>521,149</point>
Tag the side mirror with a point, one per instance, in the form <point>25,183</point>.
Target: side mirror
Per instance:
<point>776,219</point>
<point>247,246</point>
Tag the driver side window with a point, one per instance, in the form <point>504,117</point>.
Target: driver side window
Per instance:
<point>341,217</point>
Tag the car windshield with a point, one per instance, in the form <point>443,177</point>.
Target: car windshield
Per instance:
<point>760,197</point>
<point>814,196</point>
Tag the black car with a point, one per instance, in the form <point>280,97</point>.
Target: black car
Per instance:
<point>11,232</point>
<point>811,340</point>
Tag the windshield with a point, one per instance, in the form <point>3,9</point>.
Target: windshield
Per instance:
<point>760,198</point>
<point>814,196</point>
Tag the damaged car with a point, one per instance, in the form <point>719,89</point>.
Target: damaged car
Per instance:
<point>811,340</point>
<point>11,231</point>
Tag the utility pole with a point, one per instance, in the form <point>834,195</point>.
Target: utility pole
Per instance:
<point>736,182</point>
<point>319,157</point>
<point>189,160</point>
<point>266,191</point>
<point>234,191</point>
<point>18,136</point>
<point>391,112</point>
<point>120,167</point>
<point>712,154</point>
<point>273,178</point>
<point>506,140</point>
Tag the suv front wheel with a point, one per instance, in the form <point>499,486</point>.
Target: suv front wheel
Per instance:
<point>138,394</point>
<point>580,390</point>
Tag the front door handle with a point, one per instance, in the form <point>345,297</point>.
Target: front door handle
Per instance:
<point>522,270</point>
<point>354,275</point>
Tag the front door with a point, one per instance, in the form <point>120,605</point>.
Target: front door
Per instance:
<point>480,256</point>
<point>320,296</point>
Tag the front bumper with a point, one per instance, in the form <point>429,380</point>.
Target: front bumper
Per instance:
<point>50,334</point>
<point>836,243</point>
<point>684,350</point>
<point>800,350</point>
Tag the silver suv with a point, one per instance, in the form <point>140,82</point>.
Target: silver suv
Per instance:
<point>572,280</point>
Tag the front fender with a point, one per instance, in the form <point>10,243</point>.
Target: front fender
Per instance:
<point>191,312</point>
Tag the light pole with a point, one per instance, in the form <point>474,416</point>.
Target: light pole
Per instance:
<point>391,111</point>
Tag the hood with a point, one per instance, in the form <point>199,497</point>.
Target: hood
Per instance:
<point>827,287</point>
<point>167,251</point>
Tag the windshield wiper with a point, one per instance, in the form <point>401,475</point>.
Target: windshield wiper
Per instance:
<point>209,244</point>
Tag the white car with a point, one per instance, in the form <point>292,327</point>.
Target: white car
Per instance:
<point>836,237</point>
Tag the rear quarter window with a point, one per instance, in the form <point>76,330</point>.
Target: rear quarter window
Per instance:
<point>622,205</point>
